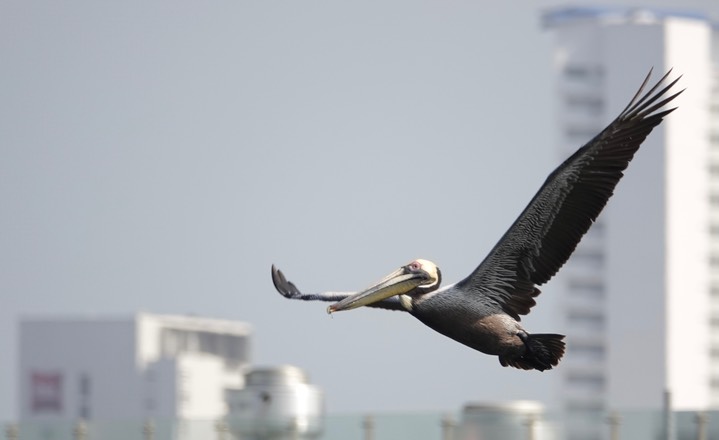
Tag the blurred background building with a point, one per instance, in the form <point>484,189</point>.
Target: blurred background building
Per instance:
<point>641,292</point>
<point>170,370</point>
<point>144,366</point>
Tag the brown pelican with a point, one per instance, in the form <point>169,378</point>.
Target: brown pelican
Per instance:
<point>483,310</point>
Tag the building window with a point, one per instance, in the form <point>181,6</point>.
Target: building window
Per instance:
<point>580,135</point>
<point>597,229</point>
<point>589,288</point>
<point>582,406</point>
<point>84,385</point>
<point>589,352</point>
<point>586,319</point>
<point>149,404</point>
<point>586,381</point>
<point>591,257</point>
<point>585,104</point>
<point>46,392</point>
<point>232,348</point>
<point>583,73</point>
<point>576,72</point>
<point>714,169</point>
<point>84,390</point>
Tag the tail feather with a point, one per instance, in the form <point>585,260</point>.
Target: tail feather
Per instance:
<point>543,352</point>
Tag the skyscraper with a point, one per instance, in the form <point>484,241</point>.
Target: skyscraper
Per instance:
<point>640,296</point>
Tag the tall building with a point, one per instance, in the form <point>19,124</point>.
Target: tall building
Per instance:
<point>161,367</point>
<point>640,296</point>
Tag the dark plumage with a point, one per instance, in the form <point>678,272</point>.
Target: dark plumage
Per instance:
<point>483,310</point>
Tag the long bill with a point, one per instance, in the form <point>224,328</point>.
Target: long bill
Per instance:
<point>396,283</point>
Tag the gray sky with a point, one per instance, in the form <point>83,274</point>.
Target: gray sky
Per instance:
<point>161,157</point>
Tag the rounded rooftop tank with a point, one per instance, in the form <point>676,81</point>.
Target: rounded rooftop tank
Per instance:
<point>277,403</point>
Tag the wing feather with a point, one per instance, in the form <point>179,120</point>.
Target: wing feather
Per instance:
<point>546,233</point>
<point>289,290</point>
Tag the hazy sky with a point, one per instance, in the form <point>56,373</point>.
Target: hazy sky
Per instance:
<point>162,156</point>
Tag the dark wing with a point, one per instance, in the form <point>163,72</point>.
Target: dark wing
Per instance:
<point>289,290</point>
<point>546,233</point>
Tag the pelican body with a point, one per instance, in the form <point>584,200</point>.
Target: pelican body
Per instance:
<point>483,311</point>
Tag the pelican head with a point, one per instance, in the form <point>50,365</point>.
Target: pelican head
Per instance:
<point>416,278</point>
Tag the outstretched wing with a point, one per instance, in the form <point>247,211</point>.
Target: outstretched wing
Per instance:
<point>289,290</point>
<point>546,233</point>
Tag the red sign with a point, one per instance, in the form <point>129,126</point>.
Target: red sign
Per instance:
<point>46,392</point>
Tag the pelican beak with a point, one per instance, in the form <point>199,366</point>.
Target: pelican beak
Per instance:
<point>398,282</point>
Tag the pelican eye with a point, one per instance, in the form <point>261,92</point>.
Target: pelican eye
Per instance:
<point>414,266</point>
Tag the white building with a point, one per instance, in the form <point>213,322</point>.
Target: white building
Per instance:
<point>641,293</point>
<point>160,367</point>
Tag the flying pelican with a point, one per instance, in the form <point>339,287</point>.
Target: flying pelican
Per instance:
<point>483,310</point>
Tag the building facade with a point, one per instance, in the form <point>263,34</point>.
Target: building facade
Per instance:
<point>142,367</point>
<point>640,296</point>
